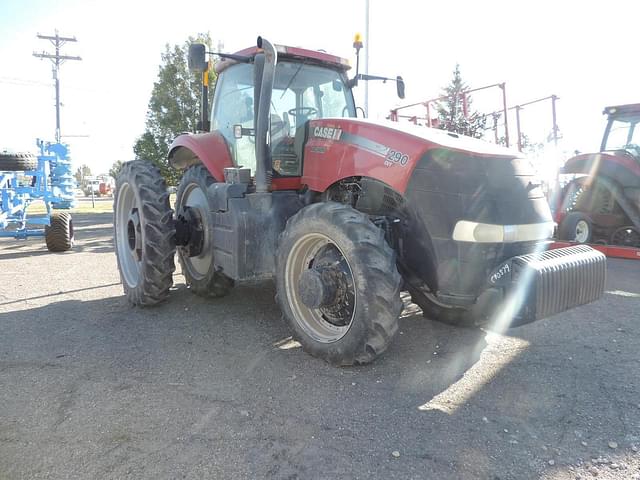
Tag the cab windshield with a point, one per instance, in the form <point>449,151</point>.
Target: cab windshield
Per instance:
<point>623,134</point>
<point>301,92</point>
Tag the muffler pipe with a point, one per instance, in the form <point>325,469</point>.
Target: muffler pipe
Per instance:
<point>265,65</point>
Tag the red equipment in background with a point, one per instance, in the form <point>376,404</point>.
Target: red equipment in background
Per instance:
<point>601,203</point>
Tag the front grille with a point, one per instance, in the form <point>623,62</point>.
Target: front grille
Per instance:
<point>557,280</point>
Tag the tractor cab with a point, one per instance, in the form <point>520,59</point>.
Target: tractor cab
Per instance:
<point>306,87</point>
<point>266,100</point>
<point>622,132</point>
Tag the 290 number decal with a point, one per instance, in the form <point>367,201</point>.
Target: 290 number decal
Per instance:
<point>394,156</point>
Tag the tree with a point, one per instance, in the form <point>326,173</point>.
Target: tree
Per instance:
<point>451,110</point>
<point>173,107</point>
<point>114,171</point>
<point>82,172</point>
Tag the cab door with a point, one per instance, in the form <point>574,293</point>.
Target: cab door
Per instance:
<point>233,106</point>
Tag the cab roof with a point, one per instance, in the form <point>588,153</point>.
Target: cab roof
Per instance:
<point>314,56</point>
<point>617,111</point>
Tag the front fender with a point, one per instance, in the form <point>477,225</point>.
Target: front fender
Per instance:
<point>208,148</point>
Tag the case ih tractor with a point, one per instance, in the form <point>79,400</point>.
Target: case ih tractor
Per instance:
<point>343,213</point>
<point>602,204</point>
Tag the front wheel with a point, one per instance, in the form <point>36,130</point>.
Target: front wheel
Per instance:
<point>337,284</point>
<point>144,233</point>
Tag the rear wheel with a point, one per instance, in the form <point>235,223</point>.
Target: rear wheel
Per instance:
<point>576,227</point>
<point>59,235</point>
<point>337,284</point>
<point>627,236</point>
<point>193,205</point>
<point>143,232</point>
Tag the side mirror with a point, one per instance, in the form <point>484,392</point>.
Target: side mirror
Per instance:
<point>197,57</point>
<point>400,86</point>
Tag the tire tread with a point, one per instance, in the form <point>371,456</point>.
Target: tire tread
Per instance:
<point>156,275</point>
<point>380,293</point>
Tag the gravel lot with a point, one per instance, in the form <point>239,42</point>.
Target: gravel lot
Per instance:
<point>93,388</point>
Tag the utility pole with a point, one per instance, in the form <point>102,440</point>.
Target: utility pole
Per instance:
<point>56,59</point>
<point>503,87</point>
<point>554,98</point>
<point>366,57</point>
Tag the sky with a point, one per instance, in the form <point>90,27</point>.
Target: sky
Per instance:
<point>583,52</point>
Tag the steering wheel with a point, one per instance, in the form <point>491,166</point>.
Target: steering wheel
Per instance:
<point>635,149</point>
<point>302,111</point>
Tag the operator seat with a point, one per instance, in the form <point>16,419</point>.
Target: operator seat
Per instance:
<point>299,140</point>
<point>286,158</point>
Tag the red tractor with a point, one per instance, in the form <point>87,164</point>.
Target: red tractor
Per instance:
<point>344,213</point>
<point>602,203</point>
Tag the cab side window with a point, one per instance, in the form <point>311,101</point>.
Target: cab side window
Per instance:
<point>233,105</point>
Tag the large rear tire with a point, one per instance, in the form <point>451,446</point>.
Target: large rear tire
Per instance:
<point>58,235</point>
<point>16,162</point>
<point>199,270</point>
<point>143,233</point>
<point>357,299</point>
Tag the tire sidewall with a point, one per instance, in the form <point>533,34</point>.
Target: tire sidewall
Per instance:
<point>121,181</point>
<point>59,234</point>
<point>202,179</point>
<point>360,324</point>
<point>154,279</point>
<point>570,223</point>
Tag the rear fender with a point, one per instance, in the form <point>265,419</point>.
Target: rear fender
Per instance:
<point>621,167</point>
<point>209,148</point>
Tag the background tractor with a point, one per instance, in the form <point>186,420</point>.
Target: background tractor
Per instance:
<point>286,183</point>
<point>602,204</point>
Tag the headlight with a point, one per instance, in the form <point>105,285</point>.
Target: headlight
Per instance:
<point>466,231</point>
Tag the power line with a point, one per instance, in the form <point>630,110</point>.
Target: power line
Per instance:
<point>23,82</point>
<point>57,59</point>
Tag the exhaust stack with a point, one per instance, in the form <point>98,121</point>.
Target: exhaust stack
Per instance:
<point>265,71</point>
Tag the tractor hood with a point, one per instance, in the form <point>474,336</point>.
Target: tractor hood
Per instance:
<point>449,140</point>
<point>385,150</point>
<point>469,203</point>
<point>619,165</point>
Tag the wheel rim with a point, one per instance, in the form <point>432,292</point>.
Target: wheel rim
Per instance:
<point>626,236</point>
<point>196,198</point>
<point>582,231</point>
<point>129,235</point>
<point>330,323</point>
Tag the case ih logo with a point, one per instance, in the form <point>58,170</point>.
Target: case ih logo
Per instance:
<point>328,133</point>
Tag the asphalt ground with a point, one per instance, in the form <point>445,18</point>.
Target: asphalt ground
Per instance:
<point>91,387</point>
